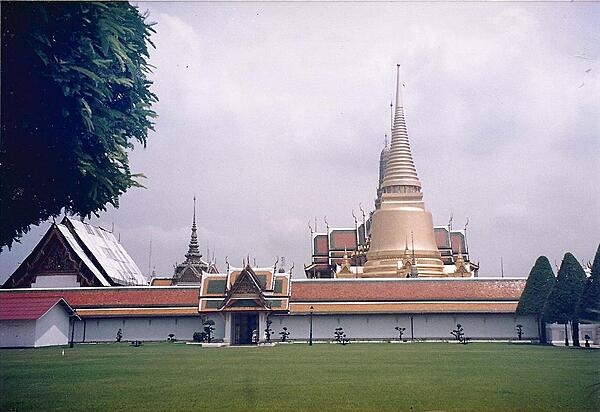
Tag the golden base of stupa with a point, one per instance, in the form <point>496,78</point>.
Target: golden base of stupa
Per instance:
<point>402,230</point>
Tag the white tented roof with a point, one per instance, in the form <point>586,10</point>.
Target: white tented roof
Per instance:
<point>79,251</point>
<point>109,253</point>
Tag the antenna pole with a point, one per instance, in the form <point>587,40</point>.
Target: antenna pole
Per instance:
<point>150,259</point>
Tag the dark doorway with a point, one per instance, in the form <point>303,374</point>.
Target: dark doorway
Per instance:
<point>243,326</point>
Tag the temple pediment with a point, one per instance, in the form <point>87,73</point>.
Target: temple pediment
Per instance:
<point>245,289</point>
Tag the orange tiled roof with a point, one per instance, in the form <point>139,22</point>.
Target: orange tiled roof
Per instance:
<point>116,296</point>
<point>405,307</point>
<point>406,290</point>
<point>29,309</point>
<point>161,282</point>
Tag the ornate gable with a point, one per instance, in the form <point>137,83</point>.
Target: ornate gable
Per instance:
<point>246,293</point>
<point>189,274</point>
<point>52,257</point>
<point>55,258</point>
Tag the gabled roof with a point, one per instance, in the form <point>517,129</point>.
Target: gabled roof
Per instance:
<point>30,308</point>
<point>246,289</point>
<point>74,248</point>
<point>81,254</point>
<point>108,253</point>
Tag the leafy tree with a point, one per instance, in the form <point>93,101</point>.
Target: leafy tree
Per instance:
<point>563,303</point>
<point>590,303</point>
<point>537,288</point>
<point>75,96</point>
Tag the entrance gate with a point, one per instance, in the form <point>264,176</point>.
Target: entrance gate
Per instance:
<point>243,326</point>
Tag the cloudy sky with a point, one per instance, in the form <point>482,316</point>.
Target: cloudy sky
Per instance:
<point>273,114</point>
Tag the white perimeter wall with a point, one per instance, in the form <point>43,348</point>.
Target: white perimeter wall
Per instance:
<point>52,328</point>
<point>433,326</point>
<point>556,333</point>
<point>145,328</point>
<point>17,333</point>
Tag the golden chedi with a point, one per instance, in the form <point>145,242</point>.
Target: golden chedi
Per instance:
<point>400,220</point>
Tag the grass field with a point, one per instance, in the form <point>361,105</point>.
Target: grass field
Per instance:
<point>356,377</point>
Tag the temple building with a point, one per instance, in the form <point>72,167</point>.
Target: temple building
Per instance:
<point>391,271</point>
<point>73,254</point>
<point>398,239</point>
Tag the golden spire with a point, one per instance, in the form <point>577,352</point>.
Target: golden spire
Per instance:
<point>400,172</point>
<point>400,211</point>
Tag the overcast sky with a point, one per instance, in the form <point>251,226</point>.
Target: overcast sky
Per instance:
<point>275,113</point>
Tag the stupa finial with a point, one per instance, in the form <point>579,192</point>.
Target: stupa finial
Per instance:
<point>193,254</point>
<point>400,173</point>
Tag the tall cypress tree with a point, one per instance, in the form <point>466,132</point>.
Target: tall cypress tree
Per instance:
<point>539,285</point>
<point>590,303</point>
<point>564,300</point>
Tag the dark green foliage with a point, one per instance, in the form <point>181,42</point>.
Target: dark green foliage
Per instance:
<point>284,334</point>
<point>75,97</point>
<point>590,303</point>
<point>539,284</point>
<point>268,331</point>
<point>209,328</point>
<point>519,328</point>
<point>400,331</point>
<point>459,334</point>
<point>563,303</point>
<point>198,337</point>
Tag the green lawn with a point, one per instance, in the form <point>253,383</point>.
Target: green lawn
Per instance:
<point>360,377</point>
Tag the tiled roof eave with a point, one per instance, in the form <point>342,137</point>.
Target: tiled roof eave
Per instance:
<point>416,300</point>
<point>137,312</point>
<point>507,307</point>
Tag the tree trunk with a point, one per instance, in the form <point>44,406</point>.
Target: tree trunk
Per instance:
<point>566,336</point>
<point>575,332</point>
<point>542,330</point>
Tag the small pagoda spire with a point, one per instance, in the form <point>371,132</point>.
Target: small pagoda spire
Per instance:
<point>413,267</point>
<point>193,254</point>
<point>400,172</point>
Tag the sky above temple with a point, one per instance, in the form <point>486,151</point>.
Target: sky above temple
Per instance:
<point>273,114</point>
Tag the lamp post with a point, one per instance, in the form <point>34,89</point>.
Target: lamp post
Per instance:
<point>310,330</point>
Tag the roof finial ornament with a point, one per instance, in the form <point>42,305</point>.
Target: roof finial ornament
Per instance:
<point>193,254</point>
<point>465,229</point>
<point>413,267</point>
<point>398,93</point>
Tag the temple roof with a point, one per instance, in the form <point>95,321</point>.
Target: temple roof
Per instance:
<point>107,251</point>
<point>74,248</point>
<point>327,296</point>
